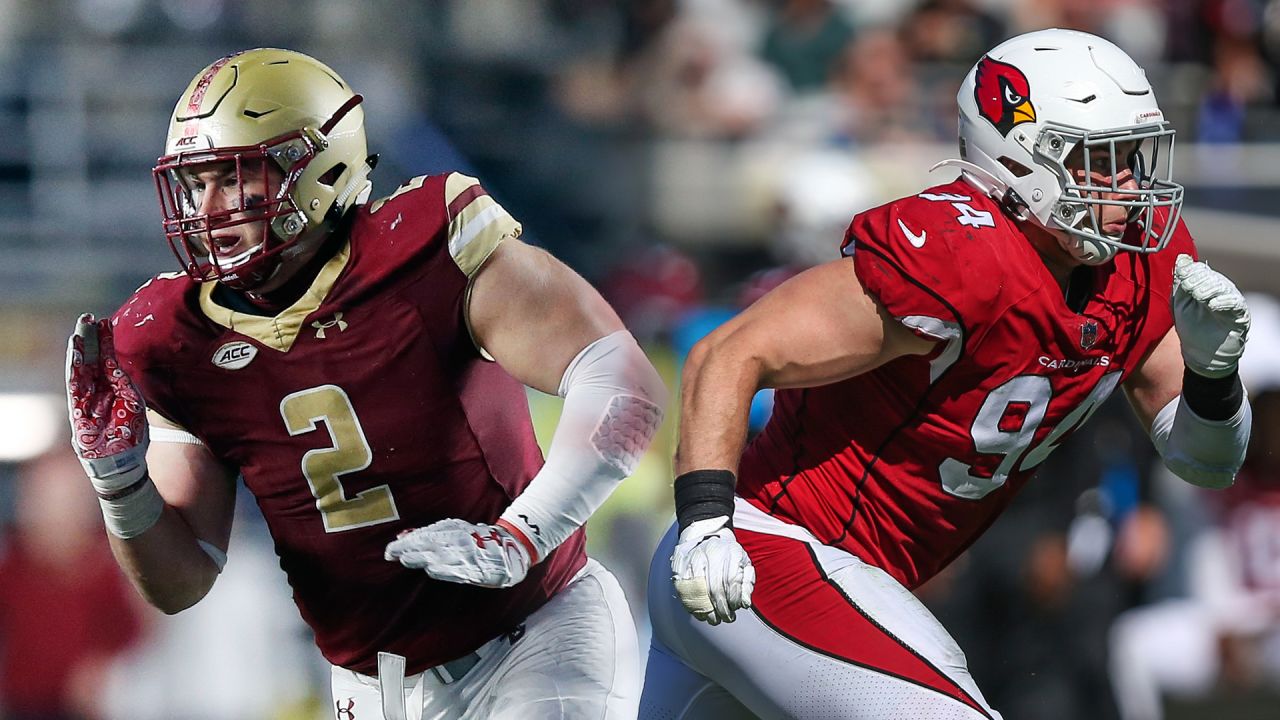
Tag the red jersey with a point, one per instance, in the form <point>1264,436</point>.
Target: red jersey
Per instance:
<point>906,465</point>
<point>363,410</point>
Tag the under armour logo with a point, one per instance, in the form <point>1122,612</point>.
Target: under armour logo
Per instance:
<point>536,530</point>
<point>493,535</point>
<point>322,326</point>
<point>345,713</point>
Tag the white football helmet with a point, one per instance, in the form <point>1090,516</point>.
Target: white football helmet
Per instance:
<point>1045,101</point>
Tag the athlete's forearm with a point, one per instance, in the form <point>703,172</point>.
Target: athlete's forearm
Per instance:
<point>614,401</point>
<point>717,385</point>
<point>166,564</point>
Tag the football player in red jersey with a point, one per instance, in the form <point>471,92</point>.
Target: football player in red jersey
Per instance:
<point>339,356</point>
<point>922,378</point>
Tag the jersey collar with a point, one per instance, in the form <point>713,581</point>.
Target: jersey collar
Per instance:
<point>279,332</point>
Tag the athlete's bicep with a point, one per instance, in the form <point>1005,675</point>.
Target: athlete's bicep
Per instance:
<point>818,327</point>
<point>534,314</point>
<point>192,481</point>
<point>1157,380</point>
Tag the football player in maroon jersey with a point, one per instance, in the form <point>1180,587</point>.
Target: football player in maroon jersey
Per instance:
<point>338,355</point>
<point>922,378</point>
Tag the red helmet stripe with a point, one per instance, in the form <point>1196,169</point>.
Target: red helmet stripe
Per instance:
<point>202,85</point>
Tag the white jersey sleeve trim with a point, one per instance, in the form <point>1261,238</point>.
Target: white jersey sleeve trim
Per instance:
<point>173,435</point>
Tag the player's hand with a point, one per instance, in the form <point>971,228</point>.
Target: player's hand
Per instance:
<point>458,551</point>
<point>1210,316</point>
<point>711,571</point>
<point>108,415</point>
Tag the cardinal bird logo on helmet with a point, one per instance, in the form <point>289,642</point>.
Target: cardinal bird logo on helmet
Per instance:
<point>1003,95</point>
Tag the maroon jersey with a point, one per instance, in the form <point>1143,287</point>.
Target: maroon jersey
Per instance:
<point>906,465</point>
<point>363,410</point>
<point>1249,515</point>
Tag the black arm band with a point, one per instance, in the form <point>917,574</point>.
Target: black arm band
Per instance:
<point>1214,399</point>
<point>703,494</point>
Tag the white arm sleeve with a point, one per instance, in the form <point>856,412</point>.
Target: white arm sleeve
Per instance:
<point>1202,452</point>
<point>613,405</point>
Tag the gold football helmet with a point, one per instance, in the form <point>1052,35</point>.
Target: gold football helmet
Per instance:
<point>267,113</point>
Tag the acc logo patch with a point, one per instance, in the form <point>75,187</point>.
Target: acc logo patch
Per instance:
<point>234,355</point>
<point>1003,95</point>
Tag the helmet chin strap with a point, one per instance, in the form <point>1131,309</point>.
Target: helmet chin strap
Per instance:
<point>977,176</point>
<point>292,258</point>
<point>239,259</point>
<point>359,186</point>
<point>300,252</point>
<point>1086,250</point>
<point>990,185</point>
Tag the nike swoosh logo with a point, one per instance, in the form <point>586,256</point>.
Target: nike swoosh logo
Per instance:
<point>915,240</point>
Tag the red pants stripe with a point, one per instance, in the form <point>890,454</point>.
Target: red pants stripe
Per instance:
<point>796,598</point>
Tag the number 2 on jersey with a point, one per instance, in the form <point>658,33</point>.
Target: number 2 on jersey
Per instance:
<point>324,467</point>
<point>1007,423</point>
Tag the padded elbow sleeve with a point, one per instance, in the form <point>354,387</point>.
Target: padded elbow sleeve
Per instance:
<point>1207,453</point>
<point>613,405</point>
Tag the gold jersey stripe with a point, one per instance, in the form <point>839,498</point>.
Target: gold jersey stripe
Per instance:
<point>478,227</point>
<point>279,332</point>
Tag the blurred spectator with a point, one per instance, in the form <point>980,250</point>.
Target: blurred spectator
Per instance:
<point>695,81</point>
<point>879,95</point>
<point>951,31</point>
<point>804,41</point>
<point>1239,78</point>
<point>65,611</point>
<point>642,22</point>
<point>651,287</point>
<point>1140,27</point>
<point>817,194</point>
<point>1085,15</point>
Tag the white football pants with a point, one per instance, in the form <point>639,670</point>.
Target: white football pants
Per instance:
<point>577,658</point>
<point>828,637</point>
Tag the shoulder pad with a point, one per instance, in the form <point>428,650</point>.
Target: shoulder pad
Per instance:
<point>936,254</point>
<point>153,303</point>
<point>474,223</point>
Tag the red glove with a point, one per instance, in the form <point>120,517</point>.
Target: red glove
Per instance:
<point>109,428</point>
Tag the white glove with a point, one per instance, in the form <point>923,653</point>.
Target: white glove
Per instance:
<point>1210,316</point>
<point>458,551</point>
<point>711,571</point>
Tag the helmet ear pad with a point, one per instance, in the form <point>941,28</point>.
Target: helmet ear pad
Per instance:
<point>265,106</point>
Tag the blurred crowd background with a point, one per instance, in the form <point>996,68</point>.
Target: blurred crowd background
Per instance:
<point>685,156</point>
